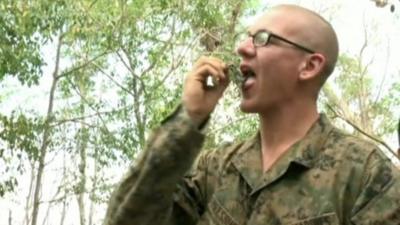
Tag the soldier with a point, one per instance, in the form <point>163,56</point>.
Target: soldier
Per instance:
<point>298,169</point>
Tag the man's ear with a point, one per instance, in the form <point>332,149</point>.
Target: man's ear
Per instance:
<point>312,66</point>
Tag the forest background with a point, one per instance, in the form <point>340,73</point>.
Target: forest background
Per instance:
<point>83,83</point>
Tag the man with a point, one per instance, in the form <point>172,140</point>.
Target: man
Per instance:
<point>298,169</point>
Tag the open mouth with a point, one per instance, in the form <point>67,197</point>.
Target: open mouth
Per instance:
<point>240,77</point>
<point>248,75</point>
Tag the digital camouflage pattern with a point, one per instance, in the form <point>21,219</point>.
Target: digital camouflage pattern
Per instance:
<point>327,178</point>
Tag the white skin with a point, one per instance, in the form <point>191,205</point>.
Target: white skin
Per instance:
<point>197,100</point>
<point>285,87</point>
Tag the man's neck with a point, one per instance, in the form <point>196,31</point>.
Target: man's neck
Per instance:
<point>281,128</point>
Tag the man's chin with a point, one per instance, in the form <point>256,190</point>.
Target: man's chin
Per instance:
<point>246,108</point>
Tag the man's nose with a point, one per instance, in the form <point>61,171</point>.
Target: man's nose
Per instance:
<point>246,48</point>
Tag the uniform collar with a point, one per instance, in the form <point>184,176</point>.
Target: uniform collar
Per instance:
<point>304,153</point>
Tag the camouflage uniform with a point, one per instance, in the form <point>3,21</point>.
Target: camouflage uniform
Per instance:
<point>328,177</point>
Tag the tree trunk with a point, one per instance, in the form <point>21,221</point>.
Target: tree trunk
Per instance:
<point>29,197</point>
<point>82,170</point>
<point>9,217</point>
<point>64,201</point>
<point>63,211</point>
<point>82,148</point>
<point>94,186</point>
<point>45,138</point>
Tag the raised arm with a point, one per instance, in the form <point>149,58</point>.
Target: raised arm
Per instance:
<point>154,191</point>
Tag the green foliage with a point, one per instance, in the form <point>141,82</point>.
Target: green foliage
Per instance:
<point>120,73</point>
<point>353,80</point>
<point>19,134</point>
<point>24,30</point>
<point>353,97</point>
<point>18,141</point>
<point>121,70</point>
<point>7,185</point>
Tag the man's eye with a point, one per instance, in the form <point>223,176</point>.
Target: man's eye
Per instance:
<point>261,38</point>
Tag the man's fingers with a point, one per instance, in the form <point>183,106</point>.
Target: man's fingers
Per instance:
<point>207,66</point>
<point>200,97</point>
<point>206,72</point>
<point>211,60</point>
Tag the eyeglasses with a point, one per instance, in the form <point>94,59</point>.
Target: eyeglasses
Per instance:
<point>263,38</point>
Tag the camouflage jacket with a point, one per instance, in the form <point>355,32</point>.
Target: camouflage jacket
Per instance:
<point>328,177</point>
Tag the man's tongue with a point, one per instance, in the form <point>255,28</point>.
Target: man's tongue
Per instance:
<point>249,81</point>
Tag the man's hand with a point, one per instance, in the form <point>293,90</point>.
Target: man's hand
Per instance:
<point>198,99</point>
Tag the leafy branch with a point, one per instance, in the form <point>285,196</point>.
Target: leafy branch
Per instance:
<point>357,128</point>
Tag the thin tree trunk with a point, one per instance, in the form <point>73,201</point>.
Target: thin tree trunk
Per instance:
<point>82,148</point>
<point>94,186</point>
<point>45,219</point>
<point>54,199</point>
<point>137,105</point>
<point>29,197</point>
<point>63,211</point>
<point>82,171</point>
<point>64,201</point>
<point>9,217</point>
<point>45,138</point>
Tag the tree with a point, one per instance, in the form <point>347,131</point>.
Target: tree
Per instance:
<point>116,72</point>
<point>134,51</point>
<point>352,99</point>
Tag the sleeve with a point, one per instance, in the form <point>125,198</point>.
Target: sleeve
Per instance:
<point>154,191</point>
<point>379,200</point>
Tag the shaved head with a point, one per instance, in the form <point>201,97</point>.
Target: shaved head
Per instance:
<point>309,29</point>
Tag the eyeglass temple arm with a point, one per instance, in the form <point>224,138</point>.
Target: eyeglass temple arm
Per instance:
<point>292,43</point>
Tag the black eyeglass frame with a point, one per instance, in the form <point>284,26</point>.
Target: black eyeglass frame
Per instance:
<point>270,35</point>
